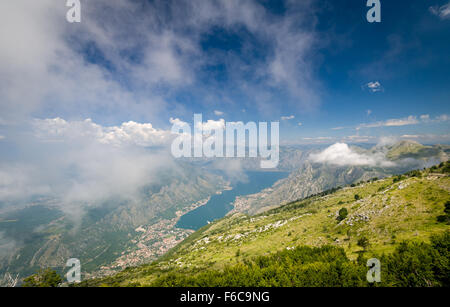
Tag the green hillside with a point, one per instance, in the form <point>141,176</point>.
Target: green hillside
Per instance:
<point>414,150</point>
<point>318,239</point>
<point>310,178</point>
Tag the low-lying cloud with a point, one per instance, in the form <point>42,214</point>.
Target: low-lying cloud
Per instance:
<point>82,164</point>
<point>341,154</point>
<point>7,245</point>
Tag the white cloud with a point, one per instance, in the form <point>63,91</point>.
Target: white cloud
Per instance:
<point>374,87</point>
<point>129,133</point>
<point>233,168</point>
<point>387,140</point>
<point>287,117</point>
<point>442,12</point>
<point>410,120</point>
<point>369,112</point>
<point>218,113</point>
<point>357,138</point>
<point>7,245</point>
<point>442,118</point>
<point>319,138</point>
<point>300,124</point>
<point>341,154</point>
<point>145,58</point>
<point>425,117</point>
<point>53,74</point>
<point>177,121</point>
<point>397,122</point>
<point>19,180</point>
<point>82,164</point>
<point>212,124</point>
<point>2,137</point>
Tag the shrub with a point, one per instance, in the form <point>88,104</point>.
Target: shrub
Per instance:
<point>43,278</point>
<point>419,264</point>
<point>363,242</point>
<point>343,213</point>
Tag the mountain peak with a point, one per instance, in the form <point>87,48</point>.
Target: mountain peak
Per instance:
<point>405,148</point>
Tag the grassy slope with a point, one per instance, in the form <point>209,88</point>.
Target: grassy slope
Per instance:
<point>394,211</point>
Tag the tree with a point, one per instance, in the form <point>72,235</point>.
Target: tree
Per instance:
<point>43,278</point>
<point>363,242</point>
<point>357,197</point>
<point>342,214</point>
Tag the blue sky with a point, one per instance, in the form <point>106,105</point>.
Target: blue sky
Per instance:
<point>318,64</point>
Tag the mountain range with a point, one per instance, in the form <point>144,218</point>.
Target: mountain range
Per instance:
<point>121,233</point>
<point>321,240</point>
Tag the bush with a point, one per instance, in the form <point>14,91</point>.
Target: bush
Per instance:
<point>343,213</point>
<point>442,219</point>
<point>419,264</point>
<point>445,218</point>
<point>43,278</point>
<point>363,242</point>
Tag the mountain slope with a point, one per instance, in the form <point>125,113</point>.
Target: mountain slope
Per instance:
<point>414,150</point>
<point>109,236</point>
<point>385,212</point>
<point>311,178</point>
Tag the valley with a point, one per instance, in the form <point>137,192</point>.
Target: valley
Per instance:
<point>386,212</point>
<point>120,234</point>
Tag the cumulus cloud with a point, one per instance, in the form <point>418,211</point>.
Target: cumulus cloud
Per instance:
<point>131,133</point>
<point>341,154</point>
<point>212,125</point>
<point>443,12</point>
<point>218,113</point>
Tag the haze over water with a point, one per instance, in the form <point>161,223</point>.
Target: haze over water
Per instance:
<point>220,204</point>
